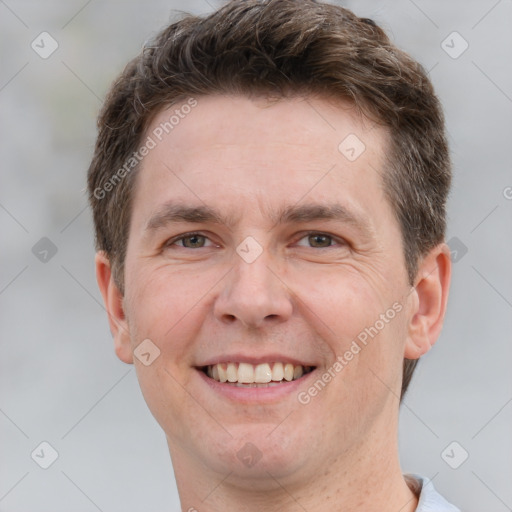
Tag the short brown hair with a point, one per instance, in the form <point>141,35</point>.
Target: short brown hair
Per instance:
<point>279,48</point>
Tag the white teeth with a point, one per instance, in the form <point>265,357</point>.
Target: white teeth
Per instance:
<point>264,373</point>
<point>288,372</point>
<point>278,372</point>
<point>232,373</point>
<point>245,373</point>
<point>223,376</point>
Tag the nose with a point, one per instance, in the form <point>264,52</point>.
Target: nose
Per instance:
<point>254,295</point>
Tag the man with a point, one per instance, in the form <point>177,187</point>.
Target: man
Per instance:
<point>268,190</point>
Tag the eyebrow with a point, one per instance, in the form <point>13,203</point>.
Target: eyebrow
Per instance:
<point>172,212</point>
<point>313,212</point>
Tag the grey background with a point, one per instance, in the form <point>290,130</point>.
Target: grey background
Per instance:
<point>60,380</point>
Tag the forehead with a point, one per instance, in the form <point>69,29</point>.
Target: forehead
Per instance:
<point>229,149</point>
<point>231,120</point>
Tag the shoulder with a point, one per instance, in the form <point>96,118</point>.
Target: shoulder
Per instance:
<point>429,499</point>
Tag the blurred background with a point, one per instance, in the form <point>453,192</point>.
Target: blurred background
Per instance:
<point>60,381</point>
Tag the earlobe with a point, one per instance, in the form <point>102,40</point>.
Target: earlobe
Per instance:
<point>113,300</point>
<point>428,301</point>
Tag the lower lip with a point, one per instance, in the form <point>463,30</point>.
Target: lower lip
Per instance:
<point>255,394</point>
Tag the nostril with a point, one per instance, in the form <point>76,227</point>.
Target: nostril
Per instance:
<point>229,318</point>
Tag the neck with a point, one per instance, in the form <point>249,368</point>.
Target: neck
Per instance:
<point>366,478</point>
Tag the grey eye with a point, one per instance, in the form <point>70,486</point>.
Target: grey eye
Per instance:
<point>318,240</point>
<point>193,241</point>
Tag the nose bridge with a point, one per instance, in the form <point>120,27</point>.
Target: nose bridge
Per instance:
<point>255,276</point>
<point>252,293</point>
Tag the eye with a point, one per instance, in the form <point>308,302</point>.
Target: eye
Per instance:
<point>191,241</point>
<point>317,240</point>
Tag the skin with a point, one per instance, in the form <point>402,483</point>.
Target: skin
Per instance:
<point>304,297</point>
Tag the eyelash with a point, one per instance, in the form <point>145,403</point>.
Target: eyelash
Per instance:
<point>334,239</point>
<point>179,238</point>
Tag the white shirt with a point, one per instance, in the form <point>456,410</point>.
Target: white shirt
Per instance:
<point>429,500</point>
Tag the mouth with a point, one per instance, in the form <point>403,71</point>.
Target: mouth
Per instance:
<point>263,375</point>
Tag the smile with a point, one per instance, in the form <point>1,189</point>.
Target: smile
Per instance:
<point>246,374</point>
<point>256,375</point>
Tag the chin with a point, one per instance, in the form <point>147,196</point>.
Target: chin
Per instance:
<point>255,457</point>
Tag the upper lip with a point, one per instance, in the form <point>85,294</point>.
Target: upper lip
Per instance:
<point>256,359</point>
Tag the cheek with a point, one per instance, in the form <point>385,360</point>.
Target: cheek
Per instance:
<point>166,305</point>
<point>361,321</point>
<point>343,299</point>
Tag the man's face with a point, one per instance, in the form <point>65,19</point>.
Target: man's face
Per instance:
<point>256,238</point>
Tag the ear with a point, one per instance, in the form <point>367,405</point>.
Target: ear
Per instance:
<point>429,300</point>
<point>113,300</point>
